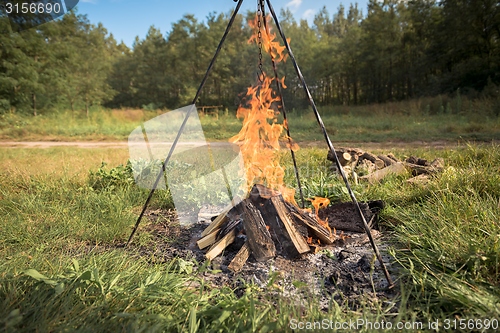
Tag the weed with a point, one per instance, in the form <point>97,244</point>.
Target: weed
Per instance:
<point>120,176</point>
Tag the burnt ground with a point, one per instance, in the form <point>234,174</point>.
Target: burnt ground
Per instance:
<point>346,271</point>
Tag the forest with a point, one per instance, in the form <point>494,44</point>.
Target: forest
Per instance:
<point>391,51</point>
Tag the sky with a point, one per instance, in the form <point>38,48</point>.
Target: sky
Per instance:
<point>126,19</point>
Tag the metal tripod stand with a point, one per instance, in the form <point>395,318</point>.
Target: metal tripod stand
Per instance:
<point>313,106</point>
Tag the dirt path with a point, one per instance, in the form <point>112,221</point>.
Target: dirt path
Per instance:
<point>85,144</point>
<point>50,144</point>
<point>441,144</point>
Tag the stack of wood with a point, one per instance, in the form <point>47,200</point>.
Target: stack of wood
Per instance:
<point>271,226</point>
<point>374,168</point>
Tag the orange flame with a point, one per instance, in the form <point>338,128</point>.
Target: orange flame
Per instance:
<point>269,44</point>
<point>318,203</point>
<point>260,135</point>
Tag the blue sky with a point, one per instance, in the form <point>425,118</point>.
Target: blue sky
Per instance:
<point>129,18</point>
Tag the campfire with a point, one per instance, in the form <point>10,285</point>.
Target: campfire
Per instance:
<point>271,226</point>
<point>269,218</point>
<point>267,215</point>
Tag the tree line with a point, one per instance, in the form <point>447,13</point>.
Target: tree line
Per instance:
<point>396,50</point>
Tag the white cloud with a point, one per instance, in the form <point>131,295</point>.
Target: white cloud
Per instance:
<point>308,14</point>
<point>294,5</point>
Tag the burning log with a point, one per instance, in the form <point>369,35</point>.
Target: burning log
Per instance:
<point>319,231</point>
<point>271,204</point>
<point>284,214</point>
<point>258,236</point>
<point>272,226</point>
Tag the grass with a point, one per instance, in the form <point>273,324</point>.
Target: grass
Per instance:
<point>448,234</point>
<point>68,126</point>
<point>428,119</point>
<point>61,269</point>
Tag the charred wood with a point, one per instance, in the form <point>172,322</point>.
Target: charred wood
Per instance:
<point>258,236</point>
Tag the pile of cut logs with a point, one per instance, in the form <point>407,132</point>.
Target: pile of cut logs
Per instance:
<point>271,225</point>
<point>364,166</point>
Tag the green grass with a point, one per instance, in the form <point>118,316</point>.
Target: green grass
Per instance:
<point>61,269</point>
<point>68,126</point>
<point>427,119</point>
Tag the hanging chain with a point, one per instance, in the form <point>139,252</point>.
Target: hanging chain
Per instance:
<point>260,4</point>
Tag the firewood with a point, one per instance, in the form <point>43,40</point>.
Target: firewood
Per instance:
<point>263,192</point>
<point>342,153</point>
<point>344,158</point>
<point>426,170</point>
<point>231,224</point>
<point>374,159</point>
<point>259,238</point>
<point>392,157</point>
<point>387,160</point>
<point>207,240</point>
<point>279,234</point>
<point>218,247</point>
<point>417,161</point>
<point>240,259</point>
<point>377,176</point>
<point>321,232</point>
<point>219,220</point>
<point>284,214</point>
<point>350,150</point>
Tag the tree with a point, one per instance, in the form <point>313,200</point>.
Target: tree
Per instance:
<point>22,58</point>
<point>74,59</point>
<point>470,35</point>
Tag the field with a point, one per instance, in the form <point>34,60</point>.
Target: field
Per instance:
<point>67,211</point>
<point>64,217</point>
<point>407,78</point>
<point>426,119</point>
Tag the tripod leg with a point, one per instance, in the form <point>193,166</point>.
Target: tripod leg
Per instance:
<point>330,145</point>
<point>181,129</point>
